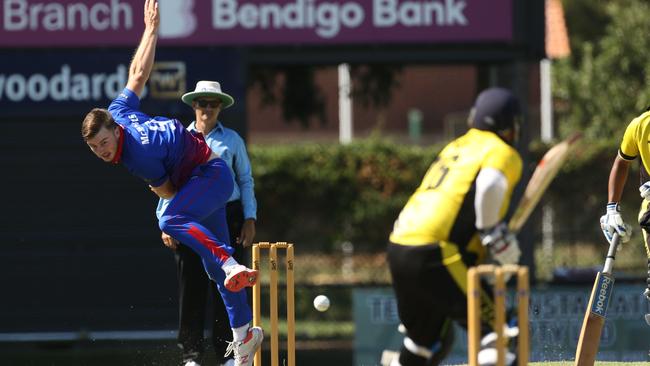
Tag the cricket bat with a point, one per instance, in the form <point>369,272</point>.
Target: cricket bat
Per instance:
<point>546,170</point>
<point>592,325</point>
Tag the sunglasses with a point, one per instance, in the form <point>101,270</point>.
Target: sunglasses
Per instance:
<point>205,103</point>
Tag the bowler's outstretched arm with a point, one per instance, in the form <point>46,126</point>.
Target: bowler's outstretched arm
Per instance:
<point>143,59</point>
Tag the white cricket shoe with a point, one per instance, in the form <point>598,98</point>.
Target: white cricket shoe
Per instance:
<point>191,363</point>
<point>244,351</point>
<point>390,358</point>
<point>238,277</point>
<point>487,356</point>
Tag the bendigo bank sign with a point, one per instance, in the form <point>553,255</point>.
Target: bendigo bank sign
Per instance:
<point>77,23</point>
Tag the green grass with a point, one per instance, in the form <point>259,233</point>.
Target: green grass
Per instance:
<point>598,363</point>
<point>570,363</point>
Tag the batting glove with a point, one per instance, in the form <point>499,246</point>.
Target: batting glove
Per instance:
<point>612,222</point>
<point>644,190</point>
<point>503,244</point>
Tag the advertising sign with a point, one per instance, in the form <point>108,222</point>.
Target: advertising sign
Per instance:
<point>555,314</point>
<point>76,23</point>
<point>73,82</point>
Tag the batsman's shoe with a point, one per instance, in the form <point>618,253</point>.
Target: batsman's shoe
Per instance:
<point>191,363</point>
<point>487,356</point>
<point>239,277</point>
<point>389,358</point>
<point>244,351</point>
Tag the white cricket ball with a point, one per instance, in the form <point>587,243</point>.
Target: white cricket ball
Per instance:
<point>321,303</point>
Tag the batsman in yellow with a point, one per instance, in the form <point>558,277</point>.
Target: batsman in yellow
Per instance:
<point>635,144</point>
<point>453,221</point>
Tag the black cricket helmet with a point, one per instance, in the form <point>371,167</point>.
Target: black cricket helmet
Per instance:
<point>496,110</point>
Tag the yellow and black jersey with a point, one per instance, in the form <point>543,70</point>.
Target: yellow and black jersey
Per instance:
<point>636,142</point>
<point>442,209</point>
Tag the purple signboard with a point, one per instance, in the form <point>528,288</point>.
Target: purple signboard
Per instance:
<point>72,82</point>
<point>88,23</point>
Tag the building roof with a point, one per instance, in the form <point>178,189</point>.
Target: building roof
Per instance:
<point>557,36</point>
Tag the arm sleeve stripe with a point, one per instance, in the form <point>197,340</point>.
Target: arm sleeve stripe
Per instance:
<point>625,157</point>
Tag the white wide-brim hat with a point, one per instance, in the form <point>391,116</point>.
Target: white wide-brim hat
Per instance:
<point>206,88</point>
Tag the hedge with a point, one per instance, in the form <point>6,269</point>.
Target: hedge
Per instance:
<point>320,195</point>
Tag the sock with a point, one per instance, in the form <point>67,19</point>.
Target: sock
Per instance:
<point>240,333</point>
<point>227,265</point>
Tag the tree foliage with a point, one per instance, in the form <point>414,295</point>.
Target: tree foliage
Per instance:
<point>294,88</point>
<point>605,84</point>
<point>373,84</point>
<point>587,21</point>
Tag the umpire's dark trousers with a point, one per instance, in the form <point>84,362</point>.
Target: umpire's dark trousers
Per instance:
<point>194,287</point>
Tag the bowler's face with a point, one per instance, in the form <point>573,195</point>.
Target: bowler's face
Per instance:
<point>104,143</point>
